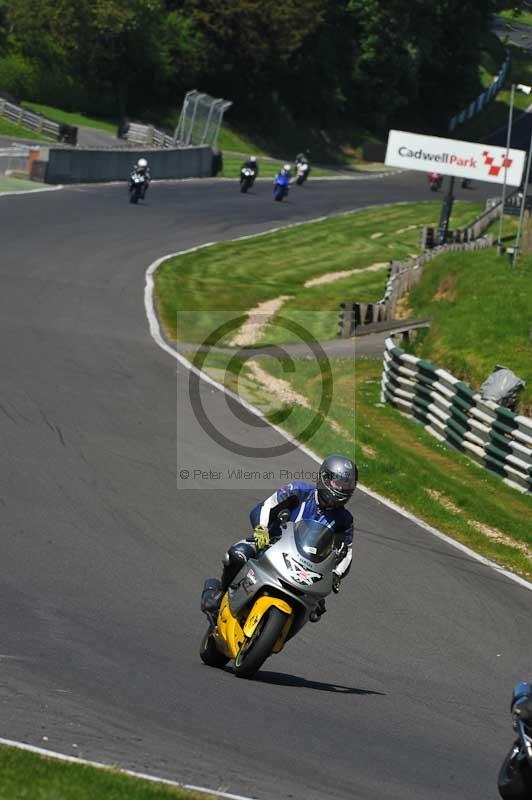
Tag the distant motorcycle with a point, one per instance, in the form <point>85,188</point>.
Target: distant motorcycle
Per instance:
<point>247,179</point>
<point>137,187</point>
<point>515,776</point>
<point>435,182</point>
<point>302,172</point>
<point>281,187</point>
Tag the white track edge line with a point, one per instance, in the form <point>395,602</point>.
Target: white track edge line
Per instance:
<point>31,191</point>
<point>41,751</point>
<point>155,331</point>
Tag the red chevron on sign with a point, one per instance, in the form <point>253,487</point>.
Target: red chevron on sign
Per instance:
<point>506,163</point>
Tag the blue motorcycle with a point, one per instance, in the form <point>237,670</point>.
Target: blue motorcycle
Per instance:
<point>281,185</point>
<point>515,776</point>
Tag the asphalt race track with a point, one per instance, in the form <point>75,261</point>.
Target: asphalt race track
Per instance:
<point>401,692</point>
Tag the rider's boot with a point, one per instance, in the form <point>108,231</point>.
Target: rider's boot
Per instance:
<point>318,612</point>
<point>211,597</point>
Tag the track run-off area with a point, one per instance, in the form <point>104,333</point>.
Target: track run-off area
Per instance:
<point>401,692</point>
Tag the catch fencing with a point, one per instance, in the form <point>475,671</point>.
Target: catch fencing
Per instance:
<point>494,436</point>
<point>483,99</point>
<point>27,119</point>
<point>200,119</point>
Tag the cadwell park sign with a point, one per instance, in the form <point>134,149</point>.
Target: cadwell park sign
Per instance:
<point>471,160</point>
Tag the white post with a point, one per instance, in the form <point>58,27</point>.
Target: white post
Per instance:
<point>523,203</point>
<point>508,139</point>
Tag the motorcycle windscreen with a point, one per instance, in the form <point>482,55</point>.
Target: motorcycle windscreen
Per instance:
<point>313,540</point>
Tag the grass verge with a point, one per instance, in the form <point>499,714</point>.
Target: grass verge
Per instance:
<point>70,117</point>
<point>268,167</point>
<point>195,290</point>
<point>17,185</point>
<point>27,775</point>
<point>397,457</point>
<point>481,311</point>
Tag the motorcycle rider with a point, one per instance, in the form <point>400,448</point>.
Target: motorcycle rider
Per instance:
<point>435,178</point>
<point>142,168</point>
<point>301,159</point>
<point>324,502</point>
<point>285,171</point>
<point>251,164</point>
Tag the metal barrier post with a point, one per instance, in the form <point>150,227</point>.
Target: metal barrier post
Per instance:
<point>523,203</point>
<point>508,139</point>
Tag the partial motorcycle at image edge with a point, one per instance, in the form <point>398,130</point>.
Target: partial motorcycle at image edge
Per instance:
<point>281,187</point>
<point>137,187</point>
<point>515,776</point>
<point>247,179</point>
<point>271,598</point>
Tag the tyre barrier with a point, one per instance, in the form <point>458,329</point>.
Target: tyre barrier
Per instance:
<point>495,437</point>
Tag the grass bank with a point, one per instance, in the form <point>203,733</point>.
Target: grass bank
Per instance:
<point>481,311</point>
<point>396,456</point>
<point>8,128</point>
<point>195,290</point>
<point>70,117</point>
<point>27,776</point>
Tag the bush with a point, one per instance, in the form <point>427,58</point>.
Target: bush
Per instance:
<point>18,76</point>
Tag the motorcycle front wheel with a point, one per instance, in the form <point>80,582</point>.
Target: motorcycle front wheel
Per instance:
<point>209,653</point>
<point>515,780</point>
<point>255,651</point>
<point>244,186</point>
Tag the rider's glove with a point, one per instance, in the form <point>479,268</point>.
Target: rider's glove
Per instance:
<point>261,537</point>
<point>336,583</point>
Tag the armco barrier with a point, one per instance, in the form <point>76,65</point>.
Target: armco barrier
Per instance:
<point>88,166</point>
<point>475,106</point>
<point>495,437</point>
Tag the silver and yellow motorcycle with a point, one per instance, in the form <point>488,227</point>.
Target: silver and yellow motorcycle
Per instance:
<point>272,597</point>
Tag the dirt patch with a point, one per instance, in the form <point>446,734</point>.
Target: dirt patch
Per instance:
<point>447,288</point>
<point>331,277</point>
<point>368,450</point>
<point>376,235</point>
<point>492,533</point>
<point>443,501</point>
<point>403,309</point>
<point>501,538</point>
<point>258,318</point>
<point>281,389</point>
<point>410,228</point>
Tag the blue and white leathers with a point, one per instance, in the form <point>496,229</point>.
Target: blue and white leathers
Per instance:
<point>301,500</point>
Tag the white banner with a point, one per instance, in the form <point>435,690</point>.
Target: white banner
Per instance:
<point>481,162</point>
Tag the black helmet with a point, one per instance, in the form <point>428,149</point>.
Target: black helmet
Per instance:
<point>337,479</point>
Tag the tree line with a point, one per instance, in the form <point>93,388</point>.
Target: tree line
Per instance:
<point>373,62</point>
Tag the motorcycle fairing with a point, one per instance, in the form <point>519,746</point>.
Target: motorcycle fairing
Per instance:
<point>229,634</point>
